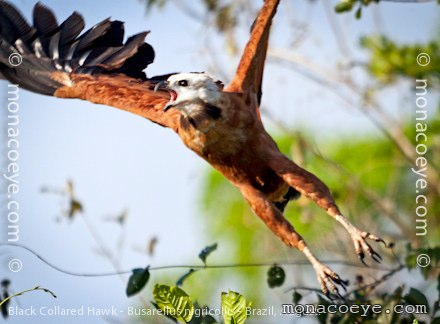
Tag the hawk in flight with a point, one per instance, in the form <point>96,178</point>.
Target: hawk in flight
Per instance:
<point>220,124</point>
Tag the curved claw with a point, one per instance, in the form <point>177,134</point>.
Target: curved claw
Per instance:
<point>375,256</point>
<point>328,280</point>
<point>361,256</point>
<point>361,245</point>
<point>375,238</point>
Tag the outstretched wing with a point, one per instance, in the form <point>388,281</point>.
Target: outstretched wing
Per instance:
<point>58,60</point>
<point>124,93</point>
<point>249,74</point>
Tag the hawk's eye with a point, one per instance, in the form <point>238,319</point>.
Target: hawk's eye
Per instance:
<point>183,83</point>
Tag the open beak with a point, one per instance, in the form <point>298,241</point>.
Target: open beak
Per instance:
<point>163,85</point>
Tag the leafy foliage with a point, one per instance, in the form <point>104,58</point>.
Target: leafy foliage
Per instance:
<point>348,5</point>
<point>174,302</point>
<point>394,306</point>
<point>432,253</point>
<point>390,60</point>
<point>413,299</point>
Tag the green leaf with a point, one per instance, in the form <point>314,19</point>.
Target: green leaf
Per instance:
<point>74,208</point>
<point>275,276</point>
<point>358,14</point>
<point>211,5</point>
<point>184,277</point>
<point>296,298</point>
<point>411,261</point>
<point>137,281</point>
<point>207,251</point>
<point>415,297</point>
<point>344,6</point>
<point>174,302</point>
<point>233,308</point>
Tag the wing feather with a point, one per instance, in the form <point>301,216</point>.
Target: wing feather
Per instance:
<point>249,74</point>
<point>96,66</point>
<point>44,20</point>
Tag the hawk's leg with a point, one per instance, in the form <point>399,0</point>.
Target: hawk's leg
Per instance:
<point>275,220</point>
<point>310,186</point>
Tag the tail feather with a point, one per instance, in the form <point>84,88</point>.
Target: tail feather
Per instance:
<point>48,47</point>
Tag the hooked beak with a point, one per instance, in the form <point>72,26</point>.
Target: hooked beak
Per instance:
<point>163,85</point>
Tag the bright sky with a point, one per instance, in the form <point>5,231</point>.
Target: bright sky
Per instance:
<point>119,161</point>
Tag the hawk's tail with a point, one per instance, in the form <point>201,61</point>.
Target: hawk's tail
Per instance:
<point>41,57</point>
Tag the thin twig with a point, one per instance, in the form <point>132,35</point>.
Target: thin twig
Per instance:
<point>26,291</point>
<point>318,291</point>
<point>337,30</point>
<point>217,266</point>
<point>377,282</point>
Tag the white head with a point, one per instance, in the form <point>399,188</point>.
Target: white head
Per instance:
<point>191,88</point>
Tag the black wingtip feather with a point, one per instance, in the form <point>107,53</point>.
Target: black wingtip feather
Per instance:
<point>71,28</point>
<point>135,65</point>
<point>13,25</point>
<point>127,51</point>
<point>47,47</point>
<point>44,20</point>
